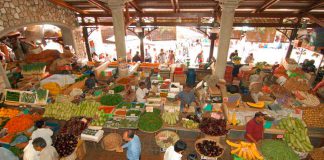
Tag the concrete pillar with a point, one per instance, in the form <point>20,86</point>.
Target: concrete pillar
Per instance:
<point>117,7</point>
<point>227,18</point>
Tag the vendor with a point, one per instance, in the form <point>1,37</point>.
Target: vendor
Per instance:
<point>142,93</point>
<point>39,150</point>
<point>187,96</point>
<point>90,83</point>
<point>175,152</point>
<point>133,145</point>
<point>42,131</point>
<point>254,128</point>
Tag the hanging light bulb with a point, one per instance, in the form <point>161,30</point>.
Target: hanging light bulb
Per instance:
<point>138,28</point>
<point>215,28</point>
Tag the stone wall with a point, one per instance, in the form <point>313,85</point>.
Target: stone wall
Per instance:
<point>15,14</point>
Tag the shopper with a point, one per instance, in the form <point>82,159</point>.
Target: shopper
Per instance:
<point>7,154</point>
<point>129,55</point>
<point>38,150</point>
<point>90,83</point>
<point>43,132</point>
<point>249,59</point>
<point>161,57</point>
<point>171,57</point>
<point>200,57</point>
<point>137,57</point>
<point>141,93</point>
<point>187,96</point>
<point>254,128</point>
<point>133,145</point>
<point>233,54</point>
<point>175,152</point>
<point>148,57</point>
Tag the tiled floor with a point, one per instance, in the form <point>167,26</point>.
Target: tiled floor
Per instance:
<point>150,151</point>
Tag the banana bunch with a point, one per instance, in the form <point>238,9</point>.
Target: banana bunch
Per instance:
<point>171,118</point>
<point>247,151</point>
<point>190,124</point>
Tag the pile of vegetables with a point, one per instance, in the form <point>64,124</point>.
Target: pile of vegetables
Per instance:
<point>28,97</point>
<point>213,127</point>
<point>125,105</point>
<point>150,122</point>
<point>12,96</point>
<point>209,148</point>
<point>42,94</point>
<point>118,89</point>
<point>128,123</point>
<point>170,118</point>
<point>296,135</point>
<point>99,118</point>
<point>111,99</point>
<point>133,113</point>
<point>19,124</point>
<point>74,126</point>
<point>165,139</point>
<point>66,110</point>
<point>190,124</point>
<point>245,150</point>
<point>65,144</point>
<point>33,68</point>
<point>8,113</point>
<point>313,117</point>
<point>277,150</point>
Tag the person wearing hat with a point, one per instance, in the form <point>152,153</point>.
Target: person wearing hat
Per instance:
<point>254,128</point>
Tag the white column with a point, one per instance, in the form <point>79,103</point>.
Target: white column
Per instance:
<point>117,7</point>
<point>227,18</point>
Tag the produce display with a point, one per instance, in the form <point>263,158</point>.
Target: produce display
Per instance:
<point>8,113</point>
<point>245,150</point>
<point>107,109</point>
<point>33,68</point>
<point>65,144</point>
<point>128,123</point>
<point>150,122</point>
<point>170,118</point>
<point>74,126</point>
<point>112,141</point>
<point>12,96</point>
<point>90,132</point>
<point>277,150</point>
<point>208,148</point>
<point>298,84</point>
<point>138,105</point>
<point>19,124</point>
<point>120,112</point>
<point>314,117</point>
<point>113,124</point>
<point>125,105</point>
<point>42,95</point>
<point>66,110</point>
<point>28,97</point>
<point>111,99</point>
<point>190,124</point>
<point>99,118</point>
<point>165,139</point>
<point>296,135</point>
<point>118,89</point>
<point>213,127</point>
<point>308,99</point>
<point>133,113</point>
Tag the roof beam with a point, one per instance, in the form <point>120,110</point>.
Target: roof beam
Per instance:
<point>266,5</point>
<point>136,7</point>
<point>100,5</point>
<point>174,6</point>
<point>316,20</point>
<point>177,6</point>
<point>67,5</point>
<point>313,6</point>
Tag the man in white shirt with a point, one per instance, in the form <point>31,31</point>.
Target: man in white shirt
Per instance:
<point>38,150</point>
<point>42,131</point>
<point>175,152</point>
<point>141,93</point>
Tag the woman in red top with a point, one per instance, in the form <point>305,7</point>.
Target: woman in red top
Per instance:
<point>254,128</point>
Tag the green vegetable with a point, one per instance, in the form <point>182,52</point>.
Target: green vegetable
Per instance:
<point>12,96</point>
<point>155,111</point>
<point>150,122</point>
<point>111,99</point>
<point>135,112</point>
<point>126,105</point>
<point>125,123</point>
<point>118,89</point>
<point>41,94</point>
<point>277,150</point>
<point>141,105</point>
<point>28,97</point>
<point>34,67</point>
<point>16,151</point>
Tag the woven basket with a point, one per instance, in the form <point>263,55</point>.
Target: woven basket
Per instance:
<point>107,138</point>
<point>209,139</point>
